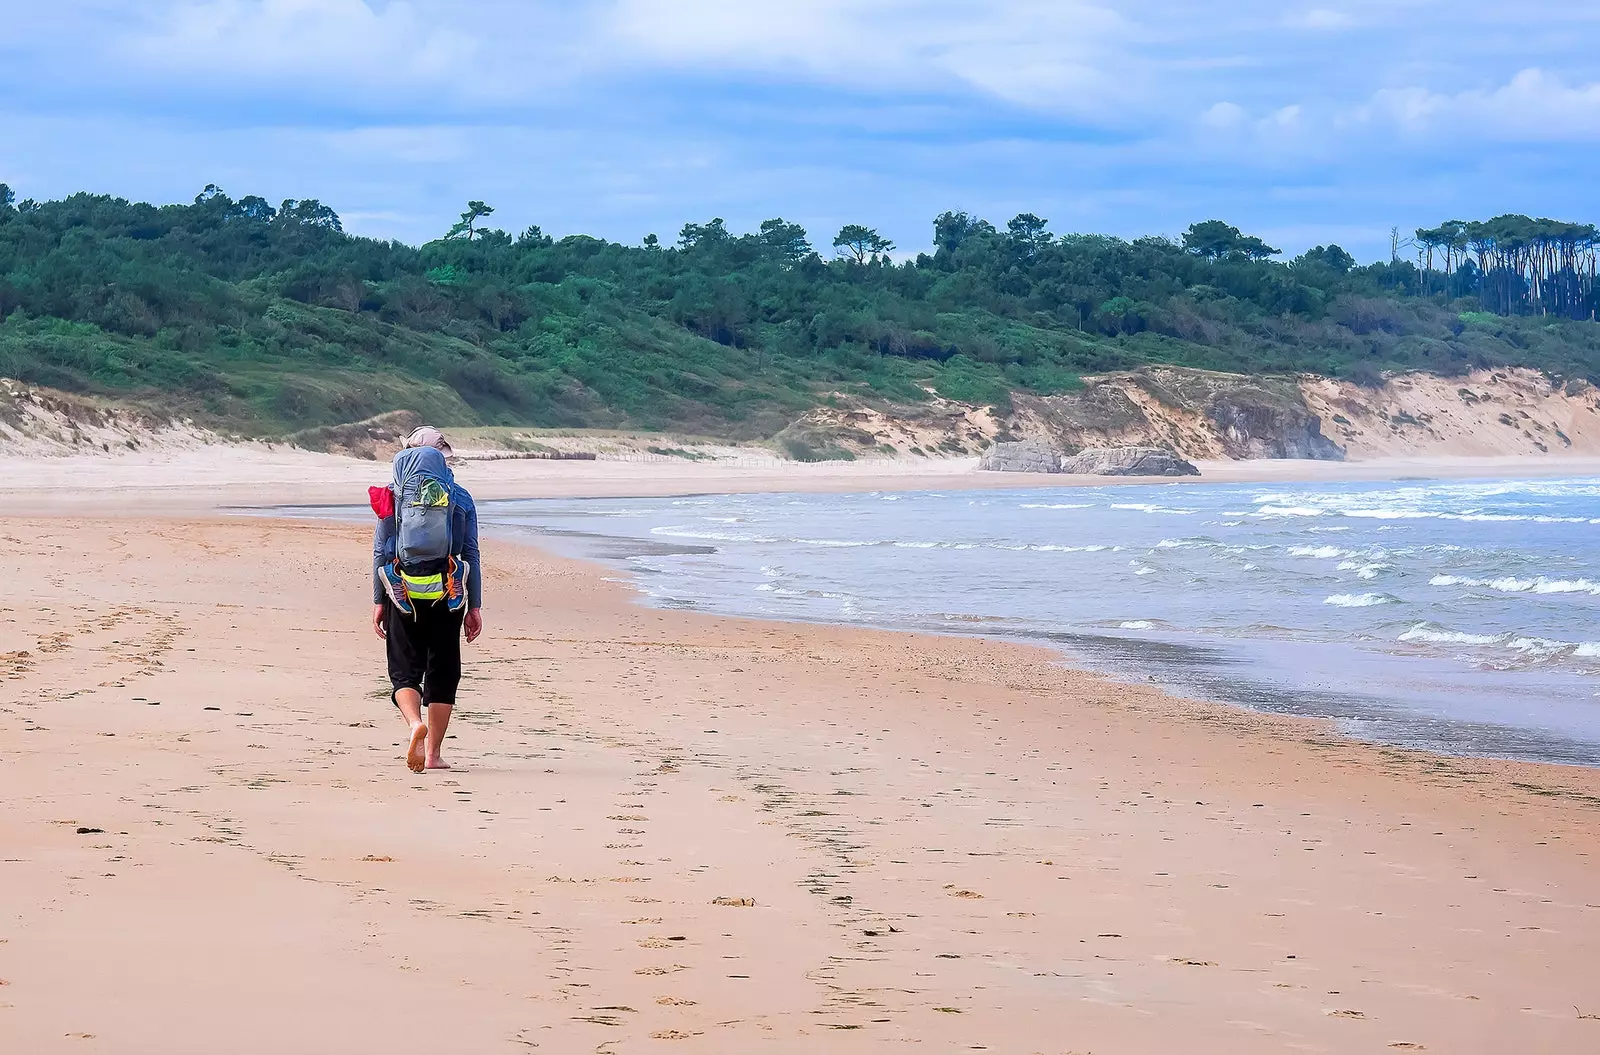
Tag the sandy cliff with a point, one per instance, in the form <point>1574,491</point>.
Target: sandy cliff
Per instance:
<point>1201,415</point>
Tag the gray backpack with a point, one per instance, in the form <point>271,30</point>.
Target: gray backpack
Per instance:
<point>422,510</point>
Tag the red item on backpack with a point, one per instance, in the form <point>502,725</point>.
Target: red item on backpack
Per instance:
<point>382,499</point>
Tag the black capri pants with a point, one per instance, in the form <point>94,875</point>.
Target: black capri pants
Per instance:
<point>424,650</point>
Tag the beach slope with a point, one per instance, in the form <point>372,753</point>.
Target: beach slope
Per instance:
<point>672,832</point>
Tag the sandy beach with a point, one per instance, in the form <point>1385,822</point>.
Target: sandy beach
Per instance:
<point>675,832</point>
<point>203,478</point>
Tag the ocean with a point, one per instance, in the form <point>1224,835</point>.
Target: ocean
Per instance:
<point>1459,617</point>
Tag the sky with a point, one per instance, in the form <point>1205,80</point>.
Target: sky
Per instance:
<point>1328,121</point>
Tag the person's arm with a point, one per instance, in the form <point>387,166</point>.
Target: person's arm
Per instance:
<point>473,622</point>
<point>382,553</point>
<point>470,553</point>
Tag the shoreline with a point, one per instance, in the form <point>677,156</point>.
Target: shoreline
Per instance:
<point>1076,650</point>
<point>944,839</point>
<point>201,479</point>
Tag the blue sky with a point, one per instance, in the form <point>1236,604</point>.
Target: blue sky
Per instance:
<point>1331,120</point>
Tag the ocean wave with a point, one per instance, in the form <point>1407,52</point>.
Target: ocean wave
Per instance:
<point>1360,600</point>
<point>1436,635</point>
<point>1364,571</point>
<point>1059,505</point>
<point>1387,514</point>
<point>1320,552</point>
<point>711,536</point>
<point>1510,584</point>
<point>1137,624</point>
<point>1288,511</point>
<point>1530,645</point>
<point>1148,507</point>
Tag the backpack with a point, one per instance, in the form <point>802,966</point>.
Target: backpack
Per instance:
<point>423,509</point>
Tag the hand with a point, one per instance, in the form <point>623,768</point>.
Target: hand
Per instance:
<point>473,624</point>
<point>377,621</point>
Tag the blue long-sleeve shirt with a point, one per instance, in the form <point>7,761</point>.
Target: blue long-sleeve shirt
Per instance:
<point>463,534</point>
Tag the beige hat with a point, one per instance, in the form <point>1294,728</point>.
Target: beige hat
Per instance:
<point>428,436</point>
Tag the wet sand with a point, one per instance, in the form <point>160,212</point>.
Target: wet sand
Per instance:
<point>211,841</point>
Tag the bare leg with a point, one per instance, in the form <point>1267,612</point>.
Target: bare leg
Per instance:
<point>410,703</point>
<point>438,723</point>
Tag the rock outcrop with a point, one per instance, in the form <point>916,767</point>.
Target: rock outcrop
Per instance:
<point>1026,456</point>
<point>1128,461</point>
<point>1197,413</point>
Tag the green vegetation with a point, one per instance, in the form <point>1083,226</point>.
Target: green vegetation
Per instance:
<point>271,319</point>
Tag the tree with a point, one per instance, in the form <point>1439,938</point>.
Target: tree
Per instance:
<point>1332,257</point>
<point>7,196</point>
<point>1216,240</point>
<point>533,236</point>
<point>308,212</point>
<point>860,243</point>
<point>1028,235</point>
<point>476,210</point>
<point>652,243</point>
<point>703,234</point>
<point>255,208</point>
<point>788,240</point>
<point>951,229</point>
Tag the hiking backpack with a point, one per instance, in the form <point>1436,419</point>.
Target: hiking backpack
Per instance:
<point>422,511</point>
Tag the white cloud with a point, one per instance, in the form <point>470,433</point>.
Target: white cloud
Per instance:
<point>1534,106</point>
<point>1324,19</point>
<point>275,37</point>
<point>1223,115</point>
<point>1053,54</point>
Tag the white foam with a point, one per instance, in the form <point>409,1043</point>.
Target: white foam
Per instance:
<point>1320,552</point>
<point>1287,511</point>
<point>1510,584</point>
<point>1388,514</point>
<point>1359,600</point>
<point>1058,505</point>
<point>1539,648</point>
<point>1146,507</point>
<point>709,536</point>
<point>1137,624</point>
<point>1435,635</point>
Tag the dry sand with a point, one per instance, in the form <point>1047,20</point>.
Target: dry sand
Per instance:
<point>205,478</point>
<point>211,842</point>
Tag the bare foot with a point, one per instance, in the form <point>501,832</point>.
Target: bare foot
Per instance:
<point>417,748</point>
<point>438,763</point>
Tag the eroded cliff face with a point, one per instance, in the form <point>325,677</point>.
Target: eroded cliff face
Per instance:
<point>1214,416</point>
<point>1488,413</point>
<point>1196,413</point>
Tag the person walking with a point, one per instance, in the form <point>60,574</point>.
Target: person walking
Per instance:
<point>427,588</point>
